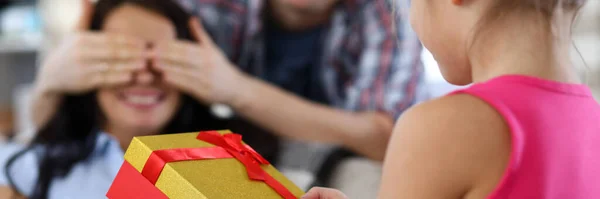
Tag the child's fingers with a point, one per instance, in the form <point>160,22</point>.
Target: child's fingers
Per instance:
<point>324,193</point>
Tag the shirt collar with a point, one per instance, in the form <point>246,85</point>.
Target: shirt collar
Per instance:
<point>106,143</point>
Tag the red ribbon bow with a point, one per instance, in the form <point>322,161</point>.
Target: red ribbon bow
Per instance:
<point>226,146</point>
<point>233,144</point>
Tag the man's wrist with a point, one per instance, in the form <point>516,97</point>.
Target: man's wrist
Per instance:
<point>43,91</point>
<point>245,94</point>
<point>370,134</point>
<point>362,125</point>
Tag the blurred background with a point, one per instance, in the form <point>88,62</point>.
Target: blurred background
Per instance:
<point>29,28</point>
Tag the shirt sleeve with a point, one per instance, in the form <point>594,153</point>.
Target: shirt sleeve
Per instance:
<point>390,75</point>
<point>23,171</point>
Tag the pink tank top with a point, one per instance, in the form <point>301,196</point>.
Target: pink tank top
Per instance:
<point>555,130</point>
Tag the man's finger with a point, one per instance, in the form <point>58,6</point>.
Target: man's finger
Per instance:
<point>183,48</point>
<point>125,40</point>
<point>95,74</point>
<point>182,80</point>
<point>94,68</point>
<point>178,54</point>
<point>103,39</point>
<point>170,52</point>
<point>199,32</point>
<point>180,83</point>
<point>179,74</point>
<point>85,19</point>
<point>107,75</point>
<point>173,69</point>
<point>116,79</point>
<point>111,53</point>
<point>129,66</point>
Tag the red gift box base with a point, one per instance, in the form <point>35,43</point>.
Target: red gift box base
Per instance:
<point>130,184</point>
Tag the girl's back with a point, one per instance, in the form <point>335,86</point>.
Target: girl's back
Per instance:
<point>555,136</point>
<point>513,136</point>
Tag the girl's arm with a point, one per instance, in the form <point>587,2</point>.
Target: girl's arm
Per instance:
<point>454,147</point>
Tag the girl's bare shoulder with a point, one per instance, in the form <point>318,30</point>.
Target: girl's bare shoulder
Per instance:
<point>457,139</point>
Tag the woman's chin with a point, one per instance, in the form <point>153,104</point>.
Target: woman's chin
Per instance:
<point>138,110</point>
<point>150,119</point>
<point>140,125</point>
<point>147,126</point>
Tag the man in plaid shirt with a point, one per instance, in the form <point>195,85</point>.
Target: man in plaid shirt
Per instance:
<point>363,64</point>
<point>356,65</point>
<point>342,75</point>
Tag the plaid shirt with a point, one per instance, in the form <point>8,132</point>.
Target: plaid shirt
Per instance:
<point>368,63</point>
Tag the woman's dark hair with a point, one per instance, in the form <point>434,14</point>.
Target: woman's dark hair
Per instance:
<point>70,136</point>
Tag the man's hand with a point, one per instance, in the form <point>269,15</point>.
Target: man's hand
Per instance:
<point>200,69</point>
<point>204,72</point>
<point>85,61</point>
<point>88,60</point>
<point>372,142</point>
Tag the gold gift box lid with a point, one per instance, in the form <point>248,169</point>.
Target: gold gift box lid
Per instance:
<point>211,178</point>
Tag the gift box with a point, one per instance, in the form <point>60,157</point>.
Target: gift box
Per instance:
<point>211,165</point>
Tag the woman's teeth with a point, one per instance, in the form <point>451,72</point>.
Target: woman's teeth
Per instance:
<point>142,100</point>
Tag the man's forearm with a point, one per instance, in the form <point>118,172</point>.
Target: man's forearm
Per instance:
<point>290,116</point>
<point>43,106</point>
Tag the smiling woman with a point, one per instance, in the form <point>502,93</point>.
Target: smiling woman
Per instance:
<point>146,105</point>
<point>107,89</point>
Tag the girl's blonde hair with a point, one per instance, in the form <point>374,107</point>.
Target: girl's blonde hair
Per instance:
<point>545,10</point>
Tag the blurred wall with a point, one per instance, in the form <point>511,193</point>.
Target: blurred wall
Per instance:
<point>20,35</point>
<point>59,18</point>
<point>587,42</point>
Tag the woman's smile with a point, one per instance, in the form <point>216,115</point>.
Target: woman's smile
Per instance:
<point>141,98</point>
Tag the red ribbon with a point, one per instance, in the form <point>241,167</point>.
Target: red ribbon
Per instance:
<point>226,146</point>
